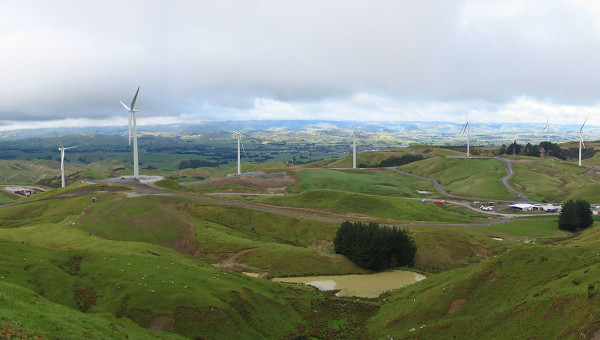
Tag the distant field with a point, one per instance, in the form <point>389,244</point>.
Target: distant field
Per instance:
<point>377,206</point>
<point>374,182</point>
<point>477,178</point>
<point>556,182</point>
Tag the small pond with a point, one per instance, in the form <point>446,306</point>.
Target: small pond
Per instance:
<point>368,285</point>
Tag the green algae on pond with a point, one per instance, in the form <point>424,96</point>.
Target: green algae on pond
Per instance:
<point>368,285</point>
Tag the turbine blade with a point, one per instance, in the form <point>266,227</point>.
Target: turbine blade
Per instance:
<point>135,98</point>
<point>59,142</point>
<point>583,123</point>
<point>351,134</point>
<point>351,122</point>
<point>125,106</point>
<point>242,144</point>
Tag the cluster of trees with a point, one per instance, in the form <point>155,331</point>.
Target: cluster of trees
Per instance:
<point>549,148</point>
<point>194,163</point>
<point>373,247</point>
<point>575,215</point>
<point>395,161</point>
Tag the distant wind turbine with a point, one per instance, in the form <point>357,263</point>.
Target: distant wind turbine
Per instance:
<point>353,135</point>
<point>547,129</point>
<point>132,121</point>
<point>581,144</point>
<point>239,158</point>
<point>466,129</point>
<point>62,159</point>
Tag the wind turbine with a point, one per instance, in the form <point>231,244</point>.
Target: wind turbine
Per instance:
<point>466,129</point>
<point>353,135</point>
<point>239,140</point>
<point>62,159</point>
<point>547,128</point>
<point>581,140</point>
<point>132,120</point>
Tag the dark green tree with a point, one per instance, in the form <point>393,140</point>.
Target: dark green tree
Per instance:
<point>575,215</point>
<point>514,149</point>
<point>374,247</point>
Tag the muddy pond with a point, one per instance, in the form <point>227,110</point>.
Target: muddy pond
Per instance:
<point>368,285</point>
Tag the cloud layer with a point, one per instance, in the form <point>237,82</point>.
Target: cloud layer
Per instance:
<point>375,60</point>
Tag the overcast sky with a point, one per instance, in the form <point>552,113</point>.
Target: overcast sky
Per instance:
<point>68,63</point>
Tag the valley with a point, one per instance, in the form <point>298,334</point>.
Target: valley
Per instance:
<point>189,253</point>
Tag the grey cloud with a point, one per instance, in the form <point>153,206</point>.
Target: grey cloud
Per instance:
<point>66,60</point>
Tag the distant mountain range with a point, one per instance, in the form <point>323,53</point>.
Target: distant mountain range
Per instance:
<point>403,132</point>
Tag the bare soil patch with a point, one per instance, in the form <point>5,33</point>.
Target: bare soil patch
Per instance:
<point>275,183</point>
<point>456,305</point>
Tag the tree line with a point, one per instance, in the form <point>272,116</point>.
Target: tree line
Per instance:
<point>549,148</point>
<point>373,247</point>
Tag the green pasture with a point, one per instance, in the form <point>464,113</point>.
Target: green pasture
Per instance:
<point>201,300</point>
<point>542,180</point>
<point>377,206</point>
<point>474,177</point>
<point>441,248</point>
<point>374,182</point>
<point>530,291</point>
<point>28,315</point>
<point>527,227</point>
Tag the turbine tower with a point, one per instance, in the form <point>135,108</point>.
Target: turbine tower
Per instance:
<point>62,159</point>
<point>239,158</point>
<point>132,120</point>
<point>466,129</point>
<point>581,144</point>
<point>547,128</point>
<point>353,135</point>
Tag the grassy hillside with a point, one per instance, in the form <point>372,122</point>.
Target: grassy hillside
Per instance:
<point>25,314</point>
<point>374,182</point>
<point>530,291</point>
<point>377,206</point>
<point>556,181</point>
<point>443,248</point>
<point>479,178</point>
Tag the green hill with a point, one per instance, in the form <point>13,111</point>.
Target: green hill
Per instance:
<point>374,182</point>
<point>530,291</point>
<point>556,181</point>
<point>377,206</point>
<point>474,177</point>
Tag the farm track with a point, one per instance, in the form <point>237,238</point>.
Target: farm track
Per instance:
<point>140,189</point>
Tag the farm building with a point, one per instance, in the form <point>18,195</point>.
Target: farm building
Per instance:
<point>522,206</point>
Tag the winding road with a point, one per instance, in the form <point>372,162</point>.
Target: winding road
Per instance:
<point>147,188</point>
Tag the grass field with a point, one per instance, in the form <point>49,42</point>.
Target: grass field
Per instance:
<point>374,182</point>
<point>529,292</point>
<point>377,206</point>
<point>27,315</point>
<point>555,182</point>
<point>527,227</point>
<point>477,178</point>
<point>149,259</point>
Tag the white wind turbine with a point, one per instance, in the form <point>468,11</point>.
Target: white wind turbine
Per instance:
<point>239,158</point>
<point>353,135</point>
<point>466,129</point>
<point>547,128</point>
<point>581,144</point>
<point>132,120</point>
<point>62,159</point>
